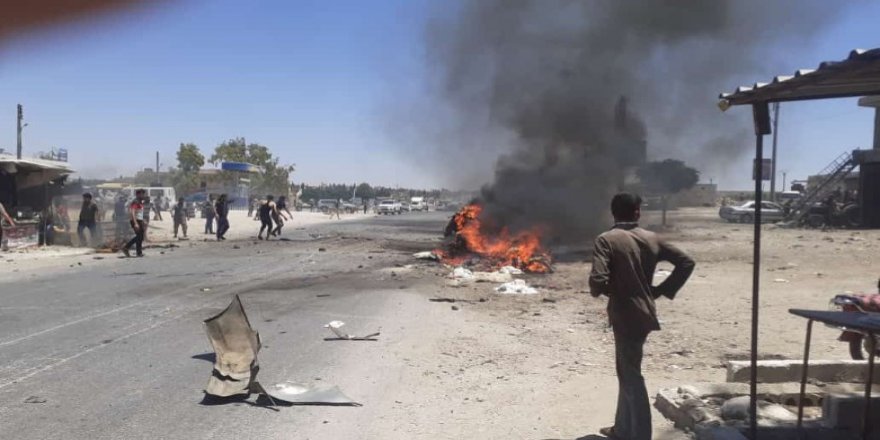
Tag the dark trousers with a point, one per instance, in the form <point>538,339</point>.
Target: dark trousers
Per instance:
<point>93,232</point>
<point>209,224</point>
<point>266,225</point>
<point>222,226</point>
<point>279,222</point>
<point>138,240</point>
<point>179,224</point>
<point>633,419</point>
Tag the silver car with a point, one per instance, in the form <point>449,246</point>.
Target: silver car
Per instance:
<point>745,213</point>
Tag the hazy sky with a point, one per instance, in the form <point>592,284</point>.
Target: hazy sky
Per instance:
<point>313,80</point>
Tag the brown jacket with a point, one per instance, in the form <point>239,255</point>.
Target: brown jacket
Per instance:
<point>624,260</point>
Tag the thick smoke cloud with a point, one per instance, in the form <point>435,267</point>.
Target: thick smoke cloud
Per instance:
<point>575,90</point>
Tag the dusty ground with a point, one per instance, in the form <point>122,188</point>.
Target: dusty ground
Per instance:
<point>542,365</point>
<point>499,366</point>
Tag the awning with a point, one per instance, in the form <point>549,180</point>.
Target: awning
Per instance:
<point>11,164</point>
<point>857,75</point>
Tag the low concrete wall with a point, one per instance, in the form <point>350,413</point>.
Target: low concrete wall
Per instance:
<point>778,371</point>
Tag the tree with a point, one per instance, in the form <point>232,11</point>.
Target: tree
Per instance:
<point>189,158</point>
<point>667,177</point>
<point>275,177</point>
<point>365,191</point>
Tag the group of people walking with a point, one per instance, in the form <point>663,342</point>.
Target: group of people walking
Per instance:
<point>216,213</point>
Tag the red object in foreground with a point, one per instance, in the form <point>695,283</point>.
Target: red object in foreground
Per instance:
<point>495,249</point>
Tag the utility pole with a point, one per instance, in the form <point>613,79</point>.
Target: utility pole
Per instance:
<point>783,180</point>
<point>773,157</point>
<point>20,117</point>
<point>157,169</point>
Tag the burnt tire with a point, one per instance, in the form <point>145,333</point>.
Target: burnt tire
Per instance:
<point>855,349</point>
<point>859,348</point>
<point>852,216</point>
<point>815,221</point>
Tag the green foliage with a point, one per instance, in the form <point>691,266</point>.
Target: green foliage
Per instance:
<point>667,177</point>
<point>275,178</point>
<point>365,191</point>
<point>189,158</point>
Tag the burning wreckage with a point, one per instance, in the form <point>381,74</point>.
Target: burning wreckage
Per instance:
<point>477,242</point>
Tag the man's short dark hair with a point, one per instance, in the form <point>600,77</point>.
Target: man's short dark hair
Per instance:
<point>87,195</point>
<point>625,205</point>
<point>140,191</point>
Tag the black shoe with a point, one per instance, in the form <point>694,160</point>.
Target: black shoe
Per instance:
<point>139,255</point>
<point>125,252</point>
<point>259,237</point>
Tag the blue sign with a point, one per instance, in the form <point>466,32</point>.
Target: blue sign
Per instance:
<point>242,167</point>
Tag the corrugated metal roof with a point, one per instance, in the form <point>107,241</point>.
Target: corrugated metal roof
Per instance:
<point>857,75</point>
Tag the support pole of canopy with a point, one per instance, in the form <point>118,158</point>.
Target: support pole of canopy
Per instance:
<point>761,114</point>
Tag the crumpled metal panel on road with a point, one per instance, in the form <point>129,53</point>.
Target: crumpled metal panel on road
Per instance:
<point>236,345</point>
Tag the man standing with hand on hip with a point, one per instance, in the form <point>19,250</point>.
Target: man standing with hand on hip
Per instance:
<point>624,260</point>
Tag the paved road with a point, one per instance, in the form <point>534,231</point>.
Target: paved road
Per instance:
<point>115,349</point>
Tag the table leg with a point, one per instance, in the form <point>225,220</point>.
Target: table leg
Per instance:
<point>800,419</point>
<point>866,425</point>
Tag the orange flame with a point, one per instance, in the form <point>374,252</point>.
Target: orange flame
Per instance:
<point>521,249</point>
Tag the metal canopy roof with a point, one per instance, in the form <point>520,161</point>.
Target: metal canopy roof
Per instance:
<point>857,75</point>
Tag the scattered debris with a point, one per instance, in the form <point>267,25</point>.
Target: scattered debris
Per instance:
<point>516,287</point>
<point>35,399</point>
<point>426,255</point>
<point>322,250</point>
<point>296,393</point>
<point>454,307</point>
<point>205,289</point>
<point>510,270</point>
<point>780,280</point>
<point>236,345</point>
<point>460,273</point>
<point>322,295</point>
<point>336,326</point>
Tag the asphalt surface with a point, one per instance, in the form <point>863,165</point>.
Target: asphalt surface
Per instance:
<point>115,348</point>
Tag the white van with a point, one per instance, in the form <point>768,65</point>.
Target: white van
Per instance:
<point>418,204</point>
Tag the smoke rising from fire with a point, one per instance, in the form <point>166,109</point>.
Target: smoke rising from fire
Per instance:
<point>576,90</point>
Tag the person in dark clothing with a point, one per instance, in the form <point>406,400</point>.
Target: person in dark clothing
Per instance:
<point>88,215</point>
<point>158,206</point>
<point>221,210</point>
<point>266,211</point>
<point>624,261</point>
<point>209,214</point>
<point>178,214</point>
<point>278,215</point>
<point>138,225</point>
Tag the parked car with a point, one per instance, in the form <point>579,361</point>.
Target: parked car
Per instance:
<point>389,207</point>
<point>770,212</point>
<point>418,204</point>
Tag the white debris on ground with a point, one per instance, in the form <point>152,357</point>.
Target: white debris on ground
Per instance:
<point>461,273</point>
<point>516,287</point>
<point>335,327</point>
<point>510,270</point>
<point>426,255</point>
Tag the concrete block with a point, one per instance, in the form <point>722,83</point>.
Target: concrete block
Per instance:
<point>847,411</point>
<point>777,371</point>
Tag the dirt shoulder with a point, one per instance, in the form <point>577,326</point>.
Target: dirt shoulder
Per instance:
<point>541,366</point>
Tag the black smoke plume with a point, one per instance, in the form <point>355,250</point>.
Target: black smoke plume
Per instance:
<point>581,89</point>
